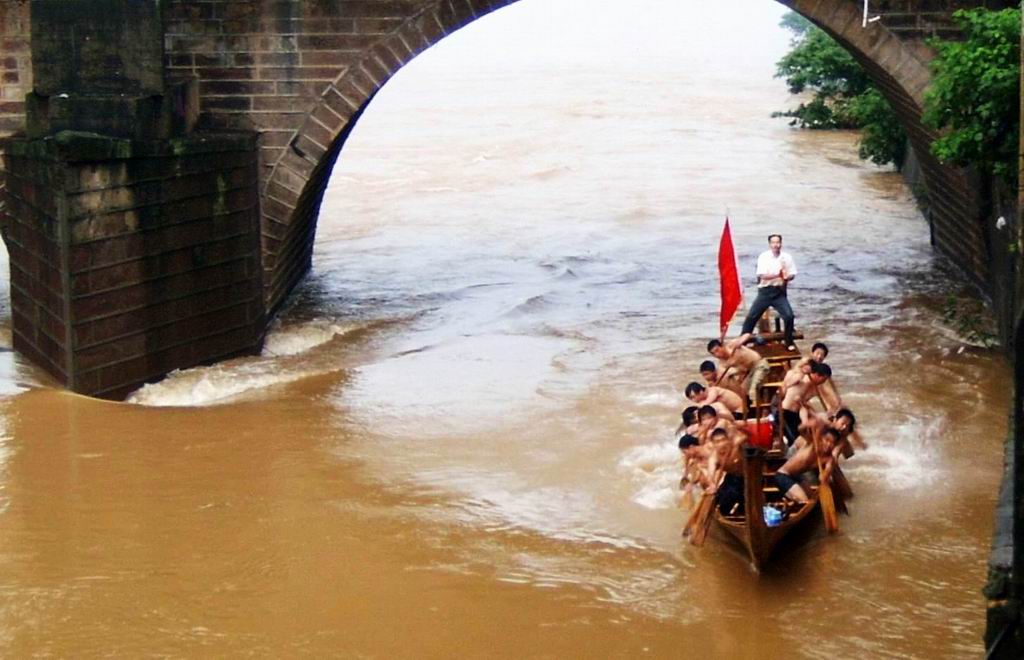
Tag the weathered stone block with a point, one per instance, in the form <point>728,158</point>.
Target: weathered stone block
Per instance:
<point>146,262</point>
<point>90,47</point>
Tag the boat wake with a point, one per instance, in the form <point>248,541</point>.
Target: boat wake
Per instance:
<point>905,460</point>
<point>653,471</point>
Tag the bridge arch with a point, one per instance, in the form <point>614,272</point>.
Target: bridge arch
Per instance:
<point>294,180</point>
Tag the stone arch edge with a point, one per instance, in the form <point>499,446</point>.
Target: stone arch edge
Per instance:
<point>297,180</point>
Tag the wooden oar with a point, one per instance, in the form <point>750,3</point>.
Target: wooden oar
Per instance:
<point>698,513</point>
<point>688,527</point>
<point>838,496</point>
<point>702,519</point>
<point>843,488</point>
<point>700,529</point>
<point>825,497</point>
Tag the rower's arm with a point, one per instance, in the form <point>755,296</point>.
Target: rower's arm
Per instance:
<point>740,341</point>
<point>712,471</point>
<point>829,397</point>
<point>857,440</point>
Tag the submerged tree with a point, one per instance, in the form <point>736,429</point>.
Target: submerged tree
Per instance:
<point>843,95</point>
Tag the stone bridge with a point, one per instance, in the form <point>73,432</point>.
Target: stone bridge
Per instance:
<point>169,160</point>
<point>166,162</point>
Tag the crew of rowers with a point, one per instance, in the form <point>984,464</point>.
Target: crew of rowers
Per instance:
<point>717,426</point>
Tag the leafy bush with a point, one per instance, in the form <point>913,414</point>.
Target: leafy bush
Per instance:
<point>882,139</point>
<point>843,94</point>
<point>975,92</point>
<point>818,64</point>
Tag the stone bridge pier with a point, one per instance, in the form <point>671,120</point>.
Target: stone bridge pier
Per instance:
<point>133,239</point>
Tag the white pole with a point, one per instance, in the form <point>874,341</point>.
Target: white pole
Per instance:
<point>865,22</point>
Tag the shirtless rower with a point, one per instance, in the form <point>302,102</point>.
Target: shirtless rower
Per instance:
<point>787,477</point>
<point>712,375</point>
<point>725,401</point>
<point>689,446</point>
<point>710,418</point>
<point>725,458</point>
<point>818,354</point>
<point>829,393</point>
<point>746,362</point>
<point>843,421</point>
<point>796,391</point>
<point>688,428</point>
<point>696,455</point>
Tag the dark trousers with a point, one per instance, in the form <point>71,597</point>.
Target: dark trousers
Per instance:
<point>771,296</point>
<point>790,426</point>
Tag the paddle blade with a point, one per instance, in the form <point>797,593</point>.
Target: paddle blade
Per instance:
<point>828,508</point>
<point>699,531</point>
<point>842,486</point>
<point>694,514</point>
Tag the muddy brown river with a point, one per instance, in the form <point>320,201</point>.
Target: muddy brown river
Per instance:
<point>458,439</point>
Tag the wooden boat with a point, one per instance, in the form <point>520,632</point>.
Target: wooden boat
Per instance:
<point>747,524</point>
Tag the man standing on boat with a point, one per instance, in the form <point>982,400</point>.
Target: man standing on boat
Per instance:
<point>775,270</point>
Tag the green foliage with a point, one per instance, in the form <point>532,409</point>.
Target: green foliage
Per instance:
<point>882,139</point>
<point>971,320</point>
<point>795,23</point>
<point>975,92</point>
<point>843,95</point>
<point>818,62</point>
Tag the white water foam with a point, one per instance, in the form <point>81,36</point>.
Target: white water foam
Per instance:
<point>281,362</point>
<point>660,399</point>
<point>299,338</point>
<point>654,471</point>
<point>203,386</point>
<point>906,459</point>
<point>557,513</point>
<point>508,503</point>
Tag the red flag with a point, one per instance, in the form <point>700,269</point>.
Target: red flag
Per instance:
<point>732,293</point>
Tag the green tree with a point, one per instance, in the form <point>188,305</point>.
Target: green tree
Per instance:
<point>795,23</point>
<point>818,64</point>
<point>975,93</point>
<point>882,138</point>
<point>843,95</point>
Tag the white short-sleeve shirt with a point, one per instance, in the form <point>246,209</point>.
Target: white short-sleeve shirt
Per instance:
<point>769,264</point>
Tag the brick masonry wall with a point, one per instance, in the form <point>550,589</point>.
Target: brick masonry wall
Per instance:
<point>32,234</point>
<point>134,264</point>
<point>15,64</point>
<point>919,19</point>
<point>299,73</point>
<point>15,74</point>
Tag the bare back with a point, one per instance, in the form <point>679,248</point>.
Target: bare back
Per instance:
<point>803,460</point>
<point>744,358</point>
<point>797,393</point>
<point>728,398</point>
